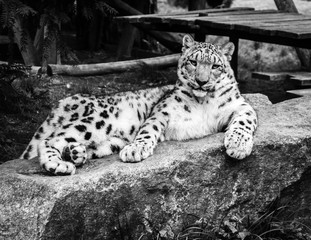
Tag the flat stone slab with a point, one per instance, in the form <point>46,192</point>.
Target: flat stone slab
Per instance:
<point>108,199</point>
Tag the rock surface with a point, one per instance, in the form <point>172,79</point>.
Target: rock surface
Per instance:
<point>108,199</point>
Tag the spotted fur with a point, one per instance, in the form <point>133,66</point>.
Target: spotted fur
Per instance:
<point>205,100</point>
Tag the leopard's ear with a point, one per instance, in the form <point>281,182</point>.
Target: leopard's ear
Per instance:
<point>187,42</point>
<point>227,50</point>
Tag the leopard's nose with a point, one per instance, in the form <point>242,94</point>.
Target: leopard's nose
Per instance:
<point>201,83</point>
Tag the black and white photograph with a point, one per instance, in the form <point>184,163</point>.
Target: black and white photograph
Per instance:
<point>155,119</point>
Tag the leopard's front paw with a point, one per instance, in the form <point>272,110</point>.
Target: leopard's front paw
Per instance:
<point>238,143</point>
<point>135,152</point>
<point>57,166</point>
<point>75,153</point>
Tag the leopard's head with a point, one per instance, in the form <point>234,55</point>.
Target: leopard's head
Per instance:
<point>202,65</point>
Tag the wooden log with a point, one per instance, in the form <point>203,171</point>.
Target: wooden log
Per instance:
<point>111,67</point>
<point>33,69</point>
<point>303,54</point>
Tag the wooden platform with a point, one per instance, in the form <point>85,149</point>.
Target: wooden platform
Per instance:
<point>299,79</point>
<point>300,92</point>
<point>271,26</point>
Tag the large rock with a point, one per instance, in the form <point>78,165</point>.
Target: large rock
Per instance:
<point>108,199</point>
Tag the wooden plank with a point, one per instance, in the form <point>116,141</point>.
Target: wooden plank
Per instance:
<point>241,12</point>
<point>190,16</point>
<point>221,16</point>
<point>251,17</point>
<point>300,92</point>
<point>272,25</point>
<point>288,28</point>
<point>168,27</point>
<point>167,19</point>
<point>298,78</point>
<point>301,79</point>
<point>140,18</point>
<point>214,14</point>
<point>268,19</point>
<point>228,23</point>
<point>270,76</point>
<point>294,31</point>
<point>282,24</point>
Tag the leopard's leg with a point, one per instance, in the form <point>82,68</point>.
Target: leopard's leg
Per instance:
<point>146,139</point>
<point>52,155</point>
<point>239,135</point>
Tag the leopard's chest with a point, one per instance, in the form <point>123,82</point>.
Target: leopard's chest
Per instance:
<point>192,122</point>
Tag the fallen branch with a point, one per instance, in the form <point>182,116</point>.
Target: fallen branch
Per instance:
<point>110,67</point>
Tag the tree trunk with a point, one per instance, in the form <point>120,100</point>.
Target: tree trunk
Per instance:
<point>32,50</point>
<point>25,44</point>
<point>303,54</point>
<point>196,4</point>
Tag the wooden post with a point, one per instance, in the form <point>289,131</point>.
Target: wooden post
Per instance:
<point>286,5</point>
<point>303,54</point>
<point>234,60</point>
<point>126,42</point>
<point>169,40</point>
<point>199,36</point>
<point>129,33</point>
<point>196,4</point>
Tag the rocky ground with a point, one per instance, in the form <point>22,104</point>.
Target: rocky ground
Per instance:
<point>266,195</point>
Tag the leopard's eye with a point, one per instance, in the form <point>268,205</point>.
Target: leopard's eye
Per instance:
<point>193,62</point>
<point>215,66</point>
